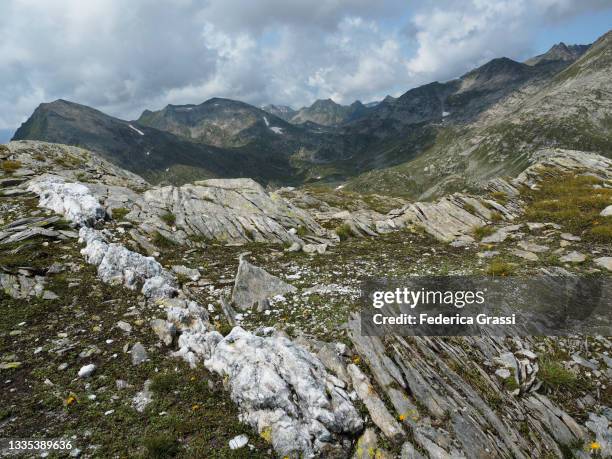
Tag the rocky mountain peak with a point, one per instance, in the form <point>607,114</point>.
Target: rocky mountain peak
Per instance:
<point>559,52</point>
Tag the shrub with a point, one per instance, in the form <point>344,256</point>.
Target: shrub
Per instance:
<point>344,231</point>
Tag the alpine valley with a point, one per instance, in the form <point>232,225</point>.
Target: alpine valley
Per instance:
<point>188,284</point>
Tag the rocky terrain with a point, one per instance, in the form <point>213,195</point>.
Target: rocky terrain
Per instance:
<point>219,318</point>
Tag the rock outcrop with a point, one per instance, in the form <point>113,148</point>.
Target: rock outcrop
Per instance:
<point>285,393</point>
<point>231,210</point>
<point>288,396</point>
<point>253,286</point>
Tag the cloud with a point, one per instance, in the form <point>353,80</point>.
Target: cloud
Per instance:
<point>123,57</point>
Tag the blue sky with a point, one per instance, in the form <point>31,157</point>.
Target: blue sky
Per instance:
<point>582,29</point>
<point>122,57</point>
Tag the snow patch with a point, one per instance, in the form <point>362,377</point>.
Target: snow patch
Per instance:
<point>276,130</point>
<point>266,121</point>
<point>136,130</point>
<point>445,114</point>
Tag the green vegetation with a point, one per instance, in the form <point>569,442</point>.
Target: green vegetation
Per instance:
<point>500,197</point>
<point>161,446</point>
<point>495,217</point>
<point>344,231</point>
<point>165,383</point>
<point>168,218</point>
<point>554,375</point>
<point>500,268</point>
<point>9,166</point>
<point>469,208</point>
<point>480,232</point>
<point>119,213</point>
<point>573,202</point>
<point>162,241</point>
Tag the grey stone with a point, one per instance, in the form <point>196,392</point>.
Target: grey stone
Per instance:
<point>503,373</point>
<point>87,370</point>
<point>532,247</point>
<point>584,362</point>
<point>377,409</point>
<point>572,257</point>
<point>253,285</point>
<point>139,354</point>
<point>190,273</point>
<point>164,330</point>
<point>607,212</point>
<point>569,237</point>
<point>604,262</point>
<point>238,442</point>
<point>124,326</point>
<point>525,255</point>
<point>142,399</point>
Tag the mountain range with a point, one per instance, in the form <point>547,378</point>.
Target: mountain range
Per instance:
<point>436,138</point>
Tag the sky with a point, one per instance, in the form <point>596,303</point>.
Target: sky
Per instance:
<point>122,57</point>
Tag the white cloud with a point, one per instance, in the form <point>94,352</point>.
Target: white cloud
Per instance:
<point>123,57</point>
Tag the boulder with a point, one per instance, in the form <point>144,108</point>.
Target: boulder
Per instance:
<point>253,286</point>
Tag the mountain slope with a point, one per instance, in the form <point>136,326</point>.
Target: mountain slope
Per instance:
<point>466,130</point>
<point>571,109</point>
<point>329,113</point>
<point>282,111</point>
<point>155,154</point>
